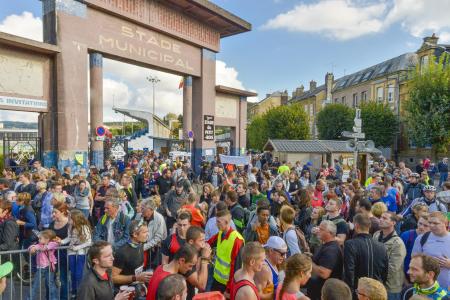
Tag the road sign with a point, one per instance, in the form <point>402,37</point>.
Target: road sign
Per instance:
<point>100,131</point>
<point>357,135</point>
<point>100,138</point>
<point>190,134</point>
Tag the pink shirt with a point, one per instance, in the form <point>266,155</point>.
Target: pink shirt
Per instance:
<point>286,295</point>
<point>318,198</point>
<point>44,253</point>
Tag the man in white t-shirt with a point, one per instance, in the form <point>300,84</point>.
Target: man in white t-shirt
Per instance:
<point>436,243</point>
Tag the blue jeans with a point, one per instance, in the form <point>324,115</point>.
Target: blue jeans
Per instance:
<point>85,212</point>
<point>62,267</point>
<point>76,266</point>
<point>443,176</point>
<point>394,296</point>
<point>49,278</point>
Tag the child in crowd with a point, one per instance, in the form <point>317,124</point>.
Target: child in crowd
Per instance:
<point>46,263</point>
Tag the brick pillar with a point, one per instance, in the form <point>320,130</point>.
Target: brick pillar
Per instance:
<point>71,104</point>
<point>187,110</point>
<point>242,125</point>
<point>96,106</point>
<point>203,103</point>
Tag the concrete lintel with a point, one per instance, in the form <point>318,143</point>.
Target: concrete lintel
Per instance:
<point>234,91</point>
<point>28,44</point>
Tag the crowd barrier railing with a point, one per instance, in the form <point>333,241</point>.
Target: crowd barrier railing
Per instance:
<point>21,281</point>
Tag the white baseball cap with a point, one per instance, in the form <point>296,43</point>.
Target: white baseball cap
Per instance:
<point>277,243</point>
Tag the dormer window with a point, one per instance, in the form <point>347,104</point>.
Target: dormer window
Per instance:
<point>424,62</point>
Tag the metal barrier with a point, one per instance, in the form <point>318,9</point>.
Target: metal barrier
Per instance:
<point>20,282</point>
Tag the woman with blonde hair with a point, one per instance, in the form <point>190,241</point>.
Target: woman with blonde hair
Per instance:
<point>370,289</point>
<point>297,273</point>
<point>378,209</point>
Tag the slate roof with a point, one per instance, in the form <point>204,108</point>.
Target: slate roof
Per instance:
<point>399,63</point>
<point>309,93</point>
<point>310,146</point>
<point>271,95</point>
<point>305,146</point>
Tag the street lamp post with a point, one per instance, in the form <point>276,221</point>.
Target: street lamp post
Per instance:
<point>153,80</point>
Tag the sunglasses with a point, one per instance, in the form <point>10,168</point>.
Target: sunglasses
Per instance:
<point>280,252</point>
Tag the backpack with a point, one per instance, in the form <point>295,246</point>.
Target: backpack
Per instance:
<point>240,224</point>
<point>438,204</point>
<point>246,216</point>
<point>424,238</point>
<point>301,240</point>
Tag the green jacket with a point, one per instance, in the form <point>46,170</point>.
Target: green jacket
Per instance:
<point>396,253</point>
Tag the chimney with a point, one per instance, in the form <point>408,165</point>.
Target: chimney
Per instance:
<point>329,79</point>
<point>300,90</point>
<point>430,40</point>
<point>284,98</point>
<point>312,85</point>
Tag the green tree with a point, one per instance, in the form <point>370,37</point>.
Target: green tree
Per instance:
<point>287,122</point>
<point>169,116</point>
<point>257,133</point>
<point>283,122</point>
<point>379,123</point>
<point>333,119</point>
<point>428,107</point>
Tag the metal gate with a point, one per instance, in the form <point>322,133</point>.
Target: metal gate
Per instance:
<point>116,149</point>
<point>19,153</point>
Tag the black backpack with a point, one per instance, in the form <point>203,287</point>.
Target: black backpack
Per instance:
<point>424,238</point>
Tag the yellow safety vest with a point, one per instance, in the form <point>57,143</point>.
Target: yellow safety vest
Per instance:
<point>223,256</point>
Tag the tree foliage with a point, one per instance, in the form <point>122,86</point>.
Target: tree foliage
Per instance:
<point>333,119</point>
<point>257,133</point>
<point>126,128</point>
<point>288,122</point>
<point>169,116</point>
<point>428,108</point>
<point>283,122</point>
<point>379,123</point>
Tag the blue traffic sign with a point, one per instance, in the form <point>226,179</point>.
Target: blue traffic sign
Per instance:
<point>100,131</point>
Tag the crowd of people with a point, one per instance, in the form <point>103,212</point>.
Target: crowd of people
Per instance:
<point>150,229</point>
